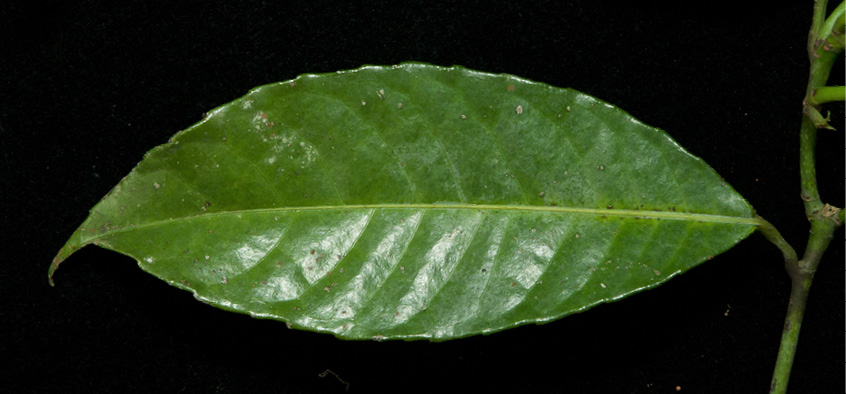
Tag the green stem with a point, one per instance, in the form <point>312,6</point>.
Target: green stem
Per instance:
<point>807,166</point>
<point>827,94</point>
<point>823,217</point>
<point>790,335</point>
<point>832,30</point>
<point>769,231</point>
<point>801,275</point>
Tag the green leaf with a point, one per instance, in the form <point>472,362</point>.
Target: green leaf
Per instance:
<point>416,201</point>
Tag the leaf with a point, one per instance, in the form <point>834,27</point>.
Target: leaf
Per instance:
<point>416,201</point>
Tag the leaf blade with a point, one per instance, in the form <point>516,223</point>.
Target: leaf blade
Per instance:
<point>416,202</point>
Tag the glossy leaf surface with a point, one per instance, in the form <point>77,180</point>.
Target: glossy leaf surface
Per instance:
<point>416,201</point>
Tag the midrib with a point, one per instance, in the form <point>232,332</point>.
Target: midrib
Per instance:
<point>646,214</point>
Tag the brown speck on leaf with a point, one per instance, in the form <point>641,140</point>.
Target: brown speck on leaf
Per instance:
<point>541,194</point>
<point>312,251</point>
<point>510,88</point>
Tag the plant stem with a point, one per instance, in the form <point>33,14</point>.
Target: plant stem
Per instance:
<point>827,94</point>
<point>801,275</point>
<point>823,217</point>
<point>769,231</point>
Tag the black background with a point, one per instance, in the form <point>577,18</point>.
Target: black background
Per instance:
<point>89,86</point>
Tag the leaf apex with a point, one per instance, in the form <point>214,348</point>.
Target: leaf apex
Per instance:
<point>63,254</point>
